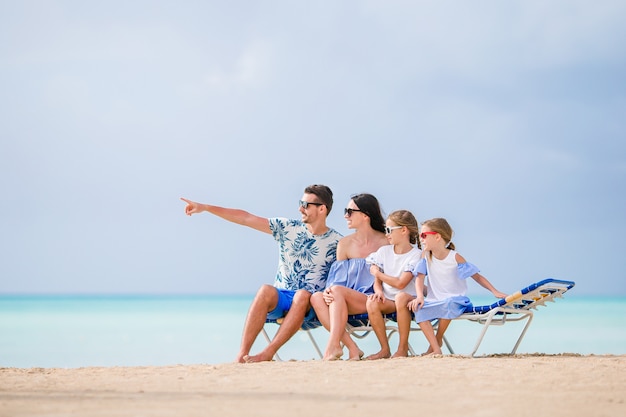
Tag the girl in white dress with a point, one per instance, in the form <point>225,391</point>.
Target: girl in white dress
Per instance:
<point>447,272</point>
<point>394,281</point>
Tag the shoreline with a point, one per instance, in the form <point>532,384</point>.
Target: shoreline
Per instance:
<point>567,384</point>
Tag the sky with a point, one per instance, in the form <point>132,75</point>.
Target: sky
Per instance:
<point>508,118</point>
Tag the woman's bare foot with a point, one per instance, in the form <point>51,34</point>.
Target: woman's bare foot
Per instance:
<point>379,355</point>
<point>334,354</point>
<point>357,357</point>
<point>400,354</point>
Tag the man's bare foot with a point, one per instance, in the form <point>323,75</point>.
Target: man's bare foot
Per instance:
<point>261,357</point>
<point>241,358</point>
<point>379,355</point>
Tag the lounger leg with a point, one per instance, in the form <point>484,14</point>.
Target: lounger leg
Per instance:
<point>319,352</point>
<point>482,333</point>
<point>308,332</point>
<point>521,336</point>
<point>528,314</point>
<point>269,340</point>
<point>445,341</point>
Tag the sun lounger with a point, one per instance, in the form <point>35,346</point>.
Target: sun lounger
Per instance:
<point>310,323</point>
<point>516,307</point>
<point>358,326</point>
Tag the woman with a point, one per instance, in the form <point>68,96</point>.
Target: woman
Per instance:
<point>349,280</point>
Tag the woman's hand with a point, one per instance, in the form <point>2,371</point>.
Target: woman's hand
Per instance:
<point>328,296</point>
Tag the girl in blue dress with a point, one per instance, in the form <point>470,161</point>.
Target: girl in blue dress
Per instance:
<point>447,272</point>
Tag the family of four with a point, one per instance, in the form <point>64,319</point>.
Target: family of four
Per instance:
<point>379,269</point>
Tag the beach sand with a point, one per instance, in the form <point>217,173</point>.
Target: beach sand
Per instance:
<point>518,385</point>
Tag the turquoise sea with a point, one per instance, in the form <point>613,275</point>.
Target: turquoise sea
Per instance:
<point>80,331</point>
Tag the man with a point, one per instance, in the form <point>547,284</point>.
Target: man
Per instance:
<point>307,248</point>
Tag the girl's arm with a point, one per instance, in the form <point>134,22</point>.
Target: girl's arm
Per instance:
<point>397,282</point>
<point>378,295</point>
<point>484,282</point>
<point>419,284</point>
<point>418,302</point>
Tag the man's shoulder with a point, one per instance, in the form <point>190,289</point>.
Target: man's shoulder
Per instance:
<point>335,234</point>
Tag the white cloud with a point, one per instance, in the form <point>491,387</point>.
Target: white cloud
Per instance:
<point>250,70</point>
<point>482,110</point>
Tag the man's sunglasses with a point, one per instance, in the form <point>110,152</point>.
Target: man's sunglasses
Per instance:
<point>306,204</point>
<point>348,211</point>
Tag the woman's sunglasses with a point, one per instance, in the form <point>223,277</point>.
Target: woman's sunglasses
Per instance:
<point>424,234</point>
<point>348,211</point>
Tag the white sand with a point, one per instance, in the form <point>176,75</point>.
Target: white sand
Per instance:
<point>521,385</point>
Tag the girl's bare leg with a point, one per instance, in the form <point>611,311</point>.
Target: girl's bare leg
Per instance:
<point>404,324</point>
<point>375,311</point>
<point>442,326</point>
<point>429,332</point>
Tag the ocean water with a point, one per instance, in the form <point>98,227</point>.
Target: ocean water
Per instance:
<point>80,331</point>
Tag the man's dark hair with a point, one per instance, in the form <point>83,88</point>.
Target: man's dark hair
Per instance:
<point>323,193</point>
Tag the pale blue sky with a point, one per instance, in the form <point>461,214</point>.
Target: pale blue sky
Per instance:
<point>506,117</point>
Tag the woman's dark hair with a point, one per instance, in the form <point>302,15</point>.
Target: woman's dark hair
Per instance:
<point>322,192</point>
<point>368,204</point>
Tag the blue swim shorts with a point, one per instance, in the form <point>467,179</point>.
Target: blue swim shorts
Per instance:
<point>285,299</point>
